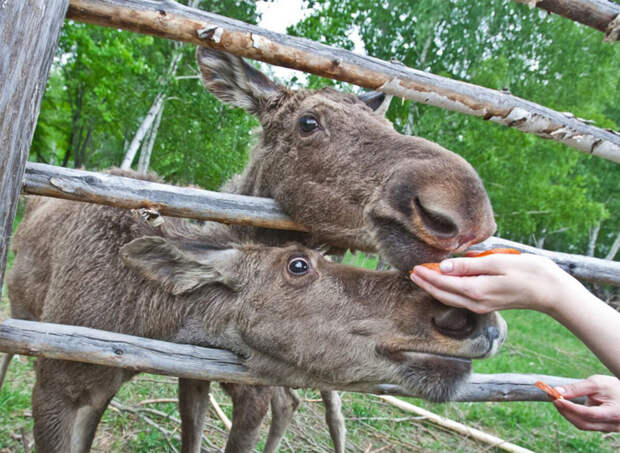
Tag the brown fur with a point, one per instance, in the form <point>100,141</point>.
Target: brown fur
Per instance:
<point>181,283</point>
<point>354,181</point>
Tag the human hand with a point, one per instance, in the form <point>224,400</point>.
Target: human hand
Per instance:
<point>602,409</point>
<point>498,282</point>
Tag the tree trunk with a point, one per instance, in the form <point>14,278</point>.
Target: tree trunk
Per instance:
<point>592,239</point>
<point>28,40</point>
<point>614,248</point>
<point>155,111</point>
<point>53,154</point>
<point>80,152</point>
<point>147,146</point>
<point>142,130</point>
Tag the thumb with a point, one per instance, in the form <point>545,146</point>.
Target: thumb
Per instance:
<point>488,265</point>
<point>576,389</point>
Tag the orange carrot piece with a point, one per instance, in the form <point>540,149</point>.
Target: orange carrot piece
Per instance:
<point>473,254</point>
<point>505,251</point>
<point>431,266</point>
<point>553,393</point>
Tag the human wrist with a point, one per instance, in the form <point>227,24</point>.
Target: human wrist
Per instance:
<point>562,294</point>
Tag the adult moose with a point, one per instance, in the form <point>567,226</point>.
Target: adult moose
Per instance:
<point>336,165</point>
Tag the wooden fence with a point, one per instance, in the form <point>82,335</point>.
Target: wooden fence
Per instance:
<point>20,99</point>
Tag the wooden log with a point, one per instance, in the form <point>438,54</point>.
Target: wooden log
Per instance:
<point>29,33</point>
<point>42,179</point>
<point>602,15</point>
<point>102,188</point>
<point>582,267</point>
<point>171,20</point>
<point>81,344</point>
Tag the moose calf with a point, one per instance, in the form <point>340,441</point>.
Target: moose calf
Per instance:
<point>286,310</point>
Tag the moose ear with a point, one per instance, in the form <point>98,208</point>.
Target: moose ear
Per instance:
<point>161,261</point>
<point>377,101</point>
<point>232,80</point>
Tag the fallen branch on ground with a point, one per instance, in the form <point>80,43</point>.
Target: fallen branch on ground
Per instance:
<point>219,412</point>
<point>460,428</point>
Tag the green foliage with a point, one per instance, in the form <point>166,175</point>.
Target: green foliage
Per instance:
<point>102,84</point>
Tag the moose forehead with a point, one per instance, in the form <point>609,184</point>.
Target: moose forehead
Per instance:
<point>322,101</point>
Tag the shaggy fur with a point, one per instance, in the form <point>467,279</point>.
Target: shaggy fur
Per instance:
<point>181,282</point>
<point>354,181</point>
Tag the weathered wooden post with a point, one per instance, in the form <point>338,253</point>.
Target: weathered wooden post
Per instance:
<point>29,32</point>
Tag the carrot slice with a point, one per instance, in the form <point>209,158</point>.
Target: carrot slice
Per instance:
<point>553,393</point>
<point>505,251</point>
<point>473,254</point>
<point>431,266</point>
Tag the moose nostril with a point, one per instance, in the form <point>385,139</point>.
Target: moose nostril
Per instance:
<point>455,322</point>
<point>492,333</point>
<point>437,222</point>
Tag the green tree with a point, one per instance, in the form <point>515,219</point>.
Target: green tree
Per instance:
<point>101,86</point>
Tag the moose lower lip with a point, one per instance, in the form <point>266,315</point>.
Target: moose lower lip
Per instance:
<point>435,377</point>
<point>434,356</point>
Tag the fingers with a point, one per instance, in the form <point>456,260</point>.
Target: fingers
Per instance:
<point>597,418</point>
<point>452,298</point>
<point>581,388</point>
<point>465,292</point>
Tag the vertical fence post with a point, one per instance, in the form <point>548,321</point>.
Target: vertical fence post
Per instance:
<point>29,32</point>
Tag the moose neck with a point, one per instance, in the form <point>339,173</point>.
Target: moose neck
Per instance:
<point>251,182</point>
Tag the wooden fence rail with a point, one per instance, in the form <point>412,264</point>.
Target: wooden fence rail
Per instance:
<point>60,182</point>
<point>99,347</point>
<point>602,15</point>
<point>169,19</point>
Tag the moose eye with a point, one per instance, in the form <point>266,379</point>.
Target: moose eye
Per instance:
<point>298,266</point>
<point>308,123</point>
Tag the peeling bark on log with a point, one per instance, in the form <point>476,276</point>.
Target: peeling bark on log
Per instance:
<point>582,267</point>
<point>82,344</point>
<point>29,34</point>
<point>174,21</point>
<point>602,15</point>
<point>59,182</point>
<point>101,188</point>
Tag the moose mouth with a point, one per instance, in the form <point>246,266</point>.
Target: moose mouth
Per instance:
<point>434,377</point>
<point>401,247</point>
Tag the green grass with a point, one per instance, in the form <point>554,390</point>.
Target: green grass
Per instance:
<point>535,344</point>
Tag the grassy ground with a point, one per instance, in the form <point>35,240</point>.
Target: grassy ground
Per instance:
<point>536,344</point>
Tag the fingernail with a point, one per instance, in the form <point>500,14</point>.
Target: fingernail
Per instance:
<point>561,390</point>
<point>446,266</point>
